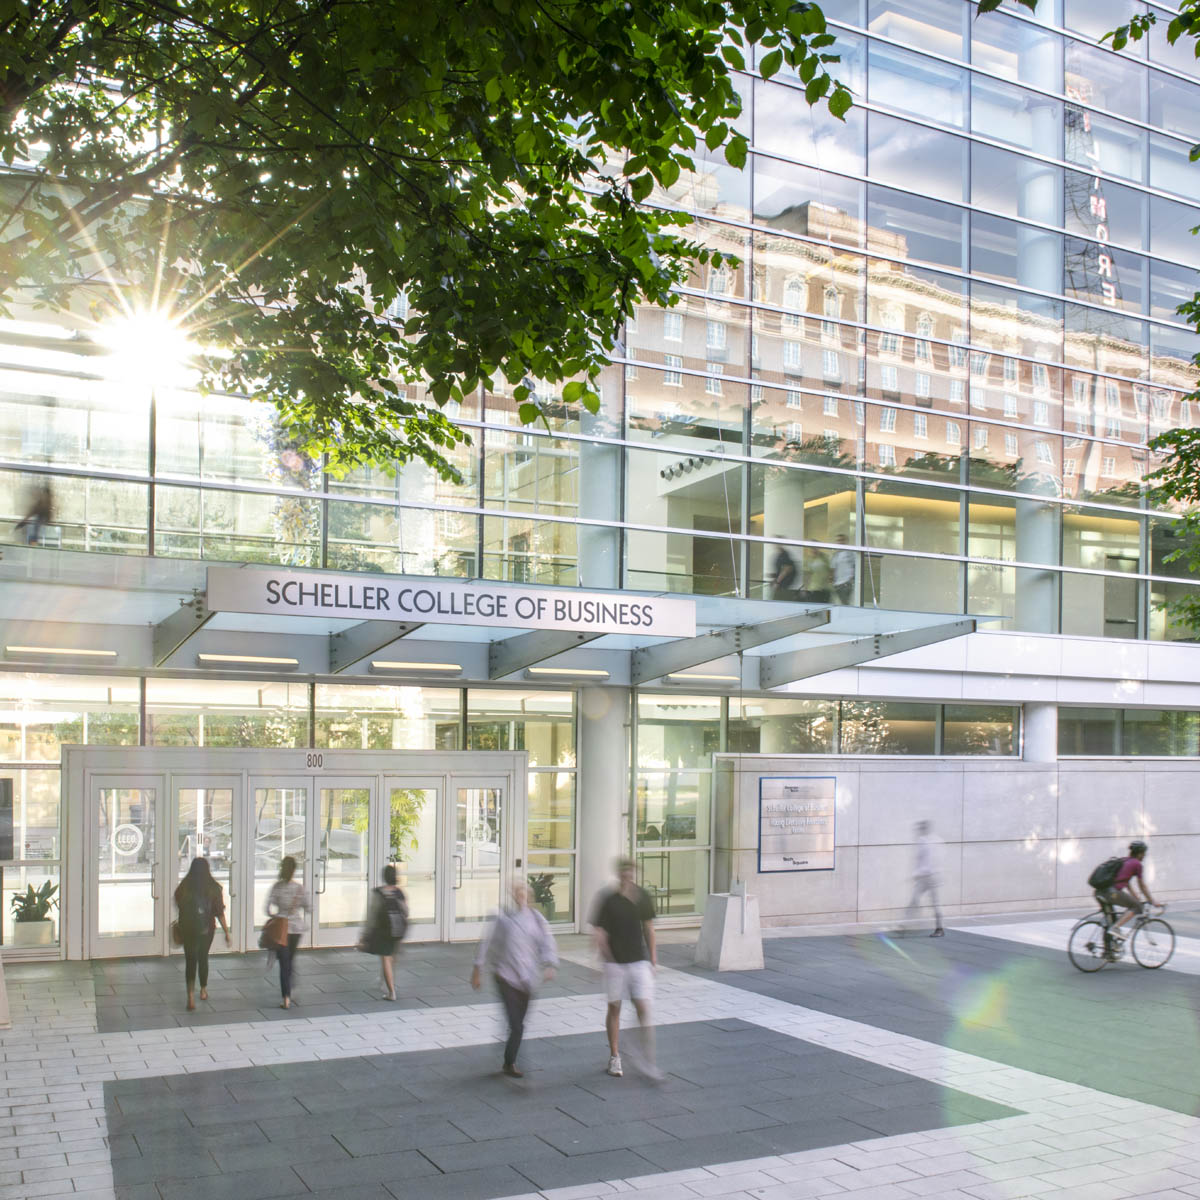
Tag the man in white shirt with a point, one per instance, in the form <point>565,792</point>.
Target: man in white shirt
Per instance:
<point>925,876</point>
<point>843,563</point>
<point>519,949</point>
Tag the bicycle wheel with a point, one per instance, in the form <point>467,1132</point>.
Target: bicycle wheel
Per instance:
<point>1153,943</point>
<point>1086,946</point>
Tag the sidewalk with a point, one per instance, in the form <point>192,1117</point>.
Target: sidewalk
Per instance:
<point>880,1068</point>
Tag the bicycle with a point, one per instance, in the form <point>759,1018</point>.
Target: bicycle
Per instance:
<point>1152,940</point>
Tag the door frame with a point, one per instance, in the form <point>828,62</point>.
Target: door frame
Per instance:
<point>167,764</point>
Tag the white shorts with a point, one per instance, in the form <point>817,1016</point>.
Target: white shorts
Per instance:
<point>635,980</point>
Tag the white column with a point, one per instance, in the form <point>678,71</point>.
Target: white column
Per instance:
<point>599,546</point>
<point>603,783</point>
<point>1040,733</point>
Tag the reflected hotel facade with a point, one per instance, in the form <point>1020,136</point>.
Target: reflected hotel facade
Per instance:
<point>925,396</point>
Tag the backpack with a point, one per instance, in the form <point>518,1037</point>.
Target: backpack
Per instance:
<point>393,920</point>
<point>1105,875</point>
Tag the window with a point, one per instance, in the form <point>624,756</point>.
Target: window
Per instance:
<point>718,280</point>
<point>754,355</point>
<point>791,354</point>
<point>923,351</point>
<point>921,385</point>
<point>1069,467</point>
<point>1044,454</point>
<point>1079,392</point>
<point>953,433</point>
<point>889,377</point>
<point>979,364</point>
<point>981,437</point>
<point>831,364</point>
<point>712,385</point>
<point>794,432</point>
<point>1010,406</point>
<point>860,413</point>
<point>398,309</point>
<point>1041,412</point>
<point>1185,412</point>
<point>1139,400</point>
<point>832,307</point>
<point>1041,378</point>
<point>887,420</point>
<point>957,350</point>
<point>715,338</point>
<point>887,456</point>
<point>829,406</point>
<point>1112,395</point>
<point>631,371</point>
<point>1010,444</point>
<point>631,325</point>
<point>832,438</point>
<point>1112,427</point>
<point>1158,405</point>
<point>793,301</point>
<point>920,425</point>
<point>1011,370</point>
<point>978,396</point>
<point>672,377</point>
<point>1108,466</point>
<point>794,399</point>
<point>756,393</point>
<point>956,391</point>
<point>672,327</point>
<point>893,319</point>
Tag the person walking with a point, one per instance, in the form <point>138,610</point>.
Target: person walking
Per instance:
<point>288,899</point>
<point>518,948</point>
<point>623,927</point>
<point>843,563</point>
<point>201,903</point>
<point>39,514</point>
<point>925,876</point>
<point>385,927</point>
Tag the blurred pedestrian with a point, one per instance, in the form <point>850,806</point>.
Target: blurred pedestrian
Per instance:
<point>201,903</point>
<point>385,927</point>
<point>518,948</point>
<point>623,927</point>
<point>843,564</point>
<point>784,577</point>
<point>39,512</point>
<point>288,900</point>
<point>926,875</point>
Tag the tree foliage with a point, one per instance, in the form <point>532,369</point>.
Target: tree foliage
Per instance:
<point>280,173</point>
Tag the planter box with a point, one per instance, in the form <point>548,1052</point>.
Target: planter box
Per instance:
<point>33,933</point>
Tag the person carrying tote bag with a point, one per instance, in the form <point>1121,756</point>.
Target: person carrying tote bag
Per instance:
<point>288,901</point>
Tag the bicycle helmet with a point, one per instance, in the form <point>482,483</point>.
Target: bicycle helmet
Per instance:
<point>1136,848</point>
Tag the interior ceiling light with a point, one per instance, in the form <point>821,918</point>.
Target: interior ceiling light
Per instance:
<point>565,673</point>
<point>441,668</point>
<point>246,660</point>
<point>57,651</point>
<point>698,677</point>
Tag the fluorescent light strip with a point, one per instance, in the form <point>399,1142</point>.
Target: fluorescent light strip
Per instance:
<point>64,651</point>
<point>250,660</point>
<point>686,678</point>
<point>565,672</point>
<point>383,664</point>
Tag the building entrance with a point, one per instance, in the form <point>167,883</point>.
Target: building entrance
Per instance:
<point>452,823</point>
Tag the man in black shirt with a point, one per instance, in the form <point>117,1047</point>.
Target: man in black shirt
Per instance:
<point>623,925</point>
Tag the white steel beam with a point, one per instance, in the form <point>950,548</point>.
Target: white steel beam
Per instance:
<point>512,654</point>
<point>367,637</point>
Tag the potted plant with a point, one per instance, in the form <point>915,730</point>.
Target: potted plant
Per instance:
<point>32,925</point>
<point>542,887</point>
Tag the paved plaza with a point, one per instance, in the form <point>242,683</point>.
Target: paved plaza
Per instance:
<point>980,1066</point>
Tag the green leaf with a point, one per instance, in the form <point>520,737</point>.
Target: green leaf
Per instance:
<point>590,401</point>
<point>573,391</point>
<point>770,63</point>
<point>840,102</point>
<point>528,413</point>
<point>735,151</point>
<point>641,187</point>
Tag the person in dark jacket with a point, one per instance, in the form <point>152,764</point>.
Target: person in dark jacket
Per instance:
<point>387,917</point>
<point>201,904</point>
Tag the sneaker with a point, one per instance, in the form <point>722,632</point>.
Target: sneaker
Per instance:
<point>614,1066</point>
<point>514,1072</point>
<point>653,1074</point>
<point>938,932</point>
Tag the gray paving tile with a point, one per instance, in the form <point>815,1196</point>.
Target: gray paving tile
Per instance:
<point>545,1173</point>
<point>264,1184</point>
<point>483,1184</point>
<point>413,1134</point>
<point>510,1151</point>
<point>377,1168</point>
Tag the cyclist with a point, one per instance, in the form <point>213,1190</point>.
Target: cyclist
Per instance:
<point>1121,893</point>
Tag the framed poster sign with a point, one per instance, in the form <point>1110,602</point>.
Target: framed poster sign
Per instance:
<point>797,816</point>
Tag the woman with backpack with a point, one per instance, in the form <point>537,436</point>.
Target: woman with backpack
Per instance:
<point>385,926</point>
<point>201,904</point>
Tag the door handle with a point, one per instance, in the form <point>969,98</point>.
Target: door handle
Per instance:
<point>458,858</point>
<point>323,870</point>
<point>154,881</point>
<point>231,864</point>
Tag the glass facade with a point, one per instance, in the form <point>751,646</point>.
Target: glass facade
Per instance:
<point>929,383</point>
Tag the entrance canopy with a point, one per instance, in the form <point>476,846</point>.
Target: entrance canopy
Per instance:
<point>87,611</point>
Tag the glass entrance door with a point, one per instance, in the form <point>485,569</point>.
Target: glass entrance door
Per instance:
<point>205,824</point>
<point>342,877</point>
<point>408,839</point>
<point>280,807</point>
<point>127,819</point>
<point>477,844</point>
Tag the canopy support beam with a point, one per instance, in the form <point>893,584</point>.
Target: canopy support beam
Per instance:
<point>512,654</point>
<point>171,632</point>
<point>367,637</point>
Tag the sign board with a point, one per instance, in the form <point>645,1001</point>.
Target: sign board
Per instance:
<point>363,597</point>
<point>6,819</point>
<point>127,839</point>
<point>797,819</point>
